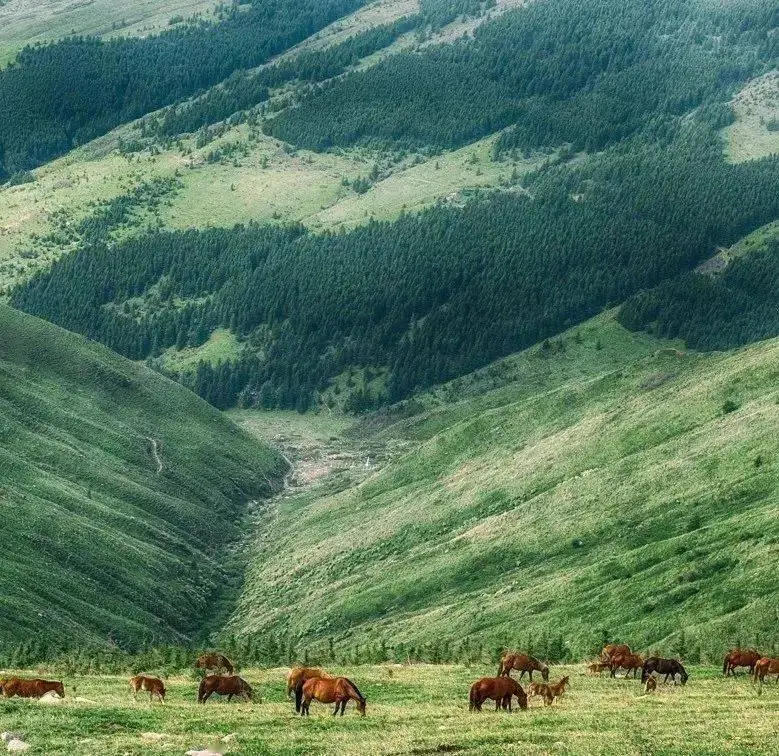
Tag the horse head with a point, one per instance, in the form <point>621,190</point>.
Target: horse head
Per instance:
<point>544,671</point>
<point>247,689</point>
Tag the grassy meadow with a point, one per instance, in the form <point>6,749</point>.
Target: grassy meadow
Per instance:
<point>413,709</point>
<point>604,483</point>
<point>120,493</point>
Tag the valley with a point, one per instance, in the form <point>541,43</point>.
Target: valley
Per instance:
<point>386,336</point>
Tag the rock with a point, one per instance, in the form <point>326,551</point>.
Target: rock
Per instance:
<point>17,746</point>
<point>7,737</point>
<point>50,698</point>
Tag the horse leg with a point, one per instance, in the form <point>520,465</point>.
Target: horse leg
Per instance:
<point>337,706</point>
<point>343,706</point>
<point>498,702</point>
<point>229,698</point>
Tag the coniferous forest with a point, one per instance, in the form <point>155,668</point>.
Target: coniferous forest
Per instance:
<point>430,296</point>
<point>638,195</point>
<point>57,96</point>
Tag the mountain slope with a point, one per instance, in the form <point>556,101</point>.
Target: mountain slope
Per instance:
<point>604,484</point>
<point>118,495</point>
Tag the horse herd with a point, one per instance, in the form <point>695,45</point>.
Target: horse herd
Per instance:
<point>313,684</point>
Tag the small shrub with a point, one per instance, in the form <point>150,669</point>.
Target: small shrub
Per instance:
<point>729,406</point>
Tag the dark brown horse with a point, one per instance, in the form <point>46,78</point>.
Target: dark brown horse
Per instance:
<point>549,691</point>
<point>217,662</point>
<point>337,690</point>
<point>763,667</point>
<point>17,686</point>
<point>614,648</point>
<point>629,662</point>
<point>152,685</point>
<point>223,685</point>
<point>522,663</point>
<point>738,657</point>
<point>301,674</point>
<point>667,667</point>
<point>500,689</point>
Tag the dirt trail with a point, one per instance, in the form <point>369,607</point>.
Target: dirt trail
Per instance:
<point>155,453</point>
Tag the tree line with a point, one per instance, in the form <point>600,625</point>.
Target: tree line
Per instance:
<point>430,296</point>
<point>63,94</point>
<point>246,89</point>
<point>720,311</point>
<point>555,72</point>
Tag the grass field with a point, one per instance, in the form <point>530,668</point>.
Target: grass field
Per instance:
<point>120,493</point>
<point>24,22</point>
<point>751,136</point>
<point>413,709</point>
<point>608,483</point>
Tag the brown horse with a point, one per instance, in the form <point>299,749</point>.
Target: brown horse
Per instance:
<point>223,685</point>
<point>737,657</point>
<point>614,648</point>
<point>597,667</point>
<point>337,690</point>
<point>500,689</point>
<point>152,685</point>
<point>549,691</point>
<point>217,662</point>
<point>301,674</point>
<point>651,685</point>
<point>17,686</point>
<point>765,666</point>
<point>523,663</point>
<point>629,662</point>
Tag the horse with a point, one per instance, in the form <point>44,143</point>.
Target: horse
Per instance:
<point>523,663</point>
<point>737,657</point>
<point>152,685</point>
<point>763,667</point>
<point>549,691</point>
<point>223,685</point>
<point>597,667</point>
<point>17,686</point>
<point>500,689</point>
<point>337,690</point>
<point>629,662</point>
<point>610,649</point>
<point>214,661</point>
<point>651,685</point>
<point>667,667</point>
<point>296,674</point>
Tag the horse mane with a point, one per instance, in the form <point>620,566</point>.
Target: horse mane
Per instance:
<point>356,689</point>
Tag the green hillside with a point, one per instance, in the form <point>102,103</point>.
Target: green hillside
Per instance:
<point>119,494</point>
<point>601,485</point>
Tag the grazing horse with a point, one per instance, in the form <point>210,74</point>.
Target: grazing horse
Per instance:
<point>765,666</point>
<point>152,685</point>
<point>17,686</point>
<point>337,690</point>
<point>214,661</point>
<point>301,674</point>
<point>223,685</point>
<point>610,649</point>
<point>597,667</point>
<point>523,663</point>
<point>737,657</point>
<point>629,662</point>
<point>667,667</point>
<point>549,691</point>
<point>500,689</point>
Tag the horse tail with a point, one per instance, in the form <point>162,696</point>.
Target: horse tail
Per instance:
<point>201,691</point>
<point>299,695</point>
<point>472,697</point>
<point>725,664</point>
<point>500,668</point>
<point>356,690</point>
